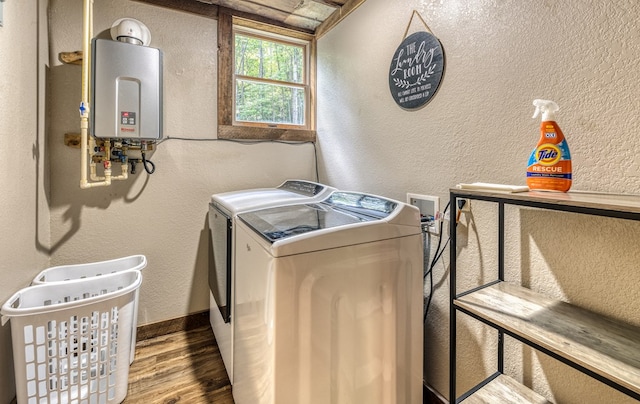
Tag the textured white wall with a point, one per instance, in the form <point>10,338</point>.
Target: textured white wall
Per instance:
<point>163,215</point>
<point>500,56</point>
<point>24,220</point>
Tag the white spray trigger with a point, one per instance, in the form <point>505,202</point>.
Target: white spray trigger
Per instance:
<point>547,107</point>
<point>536,112</point>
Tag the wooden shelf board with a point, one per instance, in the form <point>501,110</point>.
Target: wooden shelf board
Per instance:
<point>606,347</point>
<point>504,389</point>
<point>74,58</point>
<point>627,203</point>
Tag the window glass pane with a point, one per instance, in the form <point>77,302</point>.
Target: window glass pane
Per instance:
<point>269,103</point>
<point>271,60</point>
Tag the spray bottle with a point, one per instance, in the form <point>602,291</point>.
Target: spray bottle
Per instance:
<point>549,165</point>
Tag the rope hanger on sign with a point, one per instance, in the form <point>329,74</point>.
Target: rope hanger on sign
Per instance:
<point>414,13</point>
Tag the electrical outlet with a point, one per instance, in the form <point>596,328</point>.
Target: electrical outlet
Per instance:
<point>429,207</point>
<point>467,205</point>
<point>466,208</point>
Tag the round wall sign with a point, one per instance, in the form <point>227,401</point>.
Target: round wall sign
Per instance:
<point>416,70</point>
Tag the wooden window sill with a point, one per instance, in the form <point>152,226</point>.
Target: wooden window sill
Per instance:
<point>259,133</point>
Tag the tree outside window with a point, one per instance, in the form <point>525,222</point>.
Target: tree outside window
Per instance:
<point>271,84</point>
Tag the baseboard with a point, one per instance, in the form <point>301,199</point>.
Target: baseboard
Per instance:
<point>430,396</point>
<point>185,323</point>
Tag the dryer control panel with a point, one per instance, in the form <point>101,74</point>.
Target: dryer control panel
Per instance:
<point>307,188</point>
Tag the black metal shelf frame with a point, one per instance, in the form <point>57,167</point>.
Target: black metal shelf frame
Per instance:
<point>455,195</point>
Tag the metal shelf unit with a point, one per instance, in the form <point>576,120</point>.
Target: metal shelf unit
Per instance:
<point>560,330</point>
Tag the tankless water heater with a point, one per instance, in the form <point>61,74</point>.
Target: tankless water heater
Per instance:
<point>126,98</point>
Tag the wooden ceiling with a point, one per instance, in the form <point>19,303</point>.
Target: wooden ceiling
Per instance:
<point>310,16</point>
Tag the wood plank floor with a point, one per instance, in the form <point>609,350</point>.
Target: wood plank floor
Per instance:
<point>185,367</point>
<point>181,367</point>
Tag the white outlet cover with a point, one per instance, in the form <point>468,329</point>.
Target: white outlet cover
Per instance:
<point>434,228</point>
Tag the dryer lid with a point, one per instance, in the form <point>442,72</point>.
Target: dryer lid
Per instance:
<point>289,192</point>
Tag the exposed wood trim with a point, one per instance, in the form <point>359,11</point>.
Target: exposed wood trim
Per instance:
<point>280,11</point>
<point>72,140</point>
<point>328,3</point>
<point>190,6</point>
<point>185,323</point>
<point>254,133</point>
<point>261,19</point>
<point>226,129</point>
<point>74,58</point>
<point>213,11</point>
<point>245,22</point>
<point>337,16</point>
<point>313,72</point>
<point>225,68</point>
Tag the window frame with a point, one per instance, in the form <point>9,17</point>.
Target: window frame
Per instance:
<point>304,84</point>
<point>228,127</point>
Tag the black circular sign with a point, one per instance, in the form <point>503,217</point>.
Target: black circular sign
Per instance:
<point>416,70</point>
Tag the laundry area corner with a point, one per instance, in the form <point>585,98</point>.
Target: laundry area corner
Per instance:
<point>423,103</point>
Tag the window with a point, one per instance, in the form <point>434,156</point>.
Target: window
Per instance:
<point>270,80</point>
<point>265,82</point>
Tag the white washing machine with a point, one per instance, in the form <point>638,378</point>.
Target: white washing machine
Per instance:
<point>223,209</point>
<point>328,303</point>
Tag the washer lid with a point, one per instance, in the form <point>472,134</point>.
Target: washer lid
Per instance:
<point>344,218</point>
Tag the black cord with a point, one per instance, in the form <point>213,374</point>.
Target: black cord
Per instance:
<point>426,252</point>
<point>147,164</point>
<point>315,157</point>
<point>436,257</point>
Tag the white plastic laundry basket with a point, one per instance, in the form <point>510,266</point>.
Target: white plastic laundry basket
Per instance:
<point>71,340</point>
<point>81,271</point>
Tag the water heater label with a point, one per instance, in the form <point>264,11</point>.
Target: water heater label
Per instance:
<point>127,118</point>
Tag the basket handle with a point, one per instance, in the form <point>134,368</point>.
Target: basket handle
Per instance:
<point>12,303</point>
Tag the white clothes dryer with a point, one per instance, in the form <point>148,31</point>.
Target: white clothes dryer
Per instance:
<point>223,209</point>
<point>328,303</point>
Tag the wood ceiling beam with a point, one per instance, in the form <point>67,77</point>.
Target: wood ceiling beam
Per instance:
<point>189,6</point>
<point>337,16</point>
<point>278,10</point>
<point>264,20</point>
<point>213,11</point>
<point>328,3</point>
